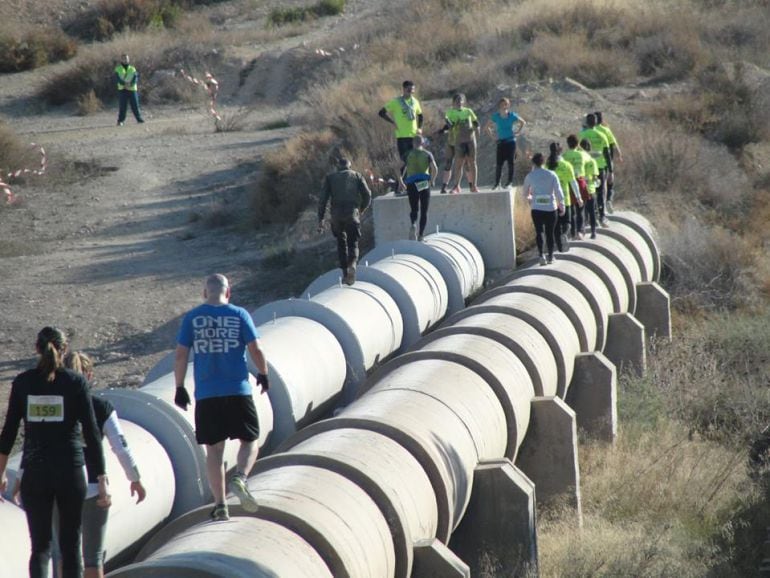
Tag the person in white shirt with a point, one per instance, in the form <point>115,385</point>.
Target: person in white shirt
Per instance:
<point>541,189</point>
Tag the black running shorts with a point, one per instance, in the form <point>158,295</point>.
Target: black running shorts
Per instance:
<point>229,417</point>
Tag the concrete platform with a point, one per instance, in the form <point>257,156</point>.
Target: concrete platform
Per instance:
<point>484,218</point>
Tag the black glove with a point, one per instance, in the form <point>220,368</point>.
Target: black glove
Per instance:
<point>182,398</point>
<point>262,380</point>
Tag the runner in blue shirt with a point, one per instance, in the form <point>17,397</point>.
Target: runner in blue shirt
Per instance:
<point>219,335</point>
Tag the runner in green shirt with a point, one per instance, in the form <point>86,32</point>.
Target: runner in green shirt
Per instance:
<point>578,158</point>
<point>405,113</point>
<point>566,175</point>
<point>463,127</point>
<point>615,154</point>
<point>419,174</point>
<point>592,178</point>
<point>600,151</point>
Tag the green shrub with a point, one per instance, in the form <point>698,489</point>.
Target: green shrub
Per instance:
<point>35,49</point>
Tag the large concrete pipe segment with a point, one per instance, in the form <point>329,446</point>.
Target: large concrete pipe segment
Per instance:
<point>500,368</point>
<point>129,522</point>
<point>152,408</point>
<point>456,258</point>
<point>637,244</point>
<point>307,372</point>
<point>552,323</point>
<point>642,226</point>
<point>332,514</point>
<point>562,294</point>
<point>523,339</point>
<point>238,548</point>
<point>417,287</point>
<point>364,319</point>
<point>445,414</point>
<point>622,258</point>
<point>604,268</point>
<point>389,474</point>
<point>591,286</point>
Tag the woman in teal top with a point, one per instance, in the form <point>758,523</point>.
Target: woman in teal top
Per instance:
<point>503,121</point>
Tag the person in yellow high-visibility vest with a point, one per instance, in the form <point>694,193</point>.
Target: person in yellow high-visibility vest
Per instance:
<point>127,78</point>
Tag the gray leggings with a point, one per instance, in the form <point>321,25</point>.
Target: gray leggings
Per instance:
<point>94,528</point>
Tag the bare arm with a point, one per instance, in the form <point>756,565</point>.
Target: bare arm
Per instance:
<point>180,364</point>
<point>258,356</point>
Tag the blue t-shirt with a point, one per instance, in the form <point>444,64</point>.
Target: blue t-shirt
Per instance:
<point>505,124</point>
<point>218,336</point>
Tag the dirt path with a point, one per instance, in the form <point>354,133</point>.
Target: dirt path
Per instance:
<point>115,257</point>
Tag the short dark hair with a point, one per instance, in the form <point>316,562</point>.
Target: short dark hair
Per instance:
<point>591,119</point>
<point>572,141</point>
<point>537,159</point>
<point>407,83</point>
<point>598,115</point>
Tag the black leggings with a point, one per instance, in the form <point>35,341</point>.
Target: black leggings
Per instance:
<point>601,191</point>
<point>421,198</point>
<point>545,226</point>
<point>506,152</point>
<point>39,491</point>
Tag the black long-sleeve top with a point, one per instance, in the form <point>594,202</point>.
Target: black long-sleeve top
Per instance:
<point>51,411</point>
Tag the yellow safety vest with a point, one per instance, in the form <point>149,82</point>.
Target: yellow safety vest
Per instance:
<point>126,77</point>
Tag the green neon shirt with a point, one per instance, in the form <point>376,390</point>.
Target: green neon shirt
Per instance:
<point>598,144</point>
<point>461,122</point>
<point>404,112</point>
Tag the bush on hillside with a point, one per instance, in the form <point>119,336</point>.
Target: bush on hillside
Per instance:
<point>35,49</point>
<point>291,177</point>
<point>109,17</point>
<point>157,60</point>
<point>282,16</point>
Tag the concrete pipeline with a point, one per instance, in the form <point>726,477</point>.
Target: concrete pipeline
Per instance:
<point>429,466</point>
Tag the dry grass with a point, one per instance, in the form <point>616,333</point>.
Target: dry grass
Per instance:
<point>154,55</point>
<point>34,48</point>
<point>675,496</point>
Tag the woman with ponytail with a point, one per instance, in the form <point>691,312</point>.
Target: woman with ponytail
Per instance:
<point>53,402</point>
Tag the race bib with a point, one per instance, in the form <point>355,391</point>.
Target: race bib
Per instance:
<point>45,408</point>
<point>422,185</point>
<point>543,200</point>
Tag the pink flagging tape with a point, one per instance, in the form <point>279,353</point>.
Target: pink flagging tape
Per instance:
<point>380,180</point>
<point>210,85</point>
<point>6,188</point>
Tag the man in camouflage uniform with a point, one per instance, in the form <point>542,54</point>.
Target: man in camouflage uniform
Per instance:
<point>350,197</point>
